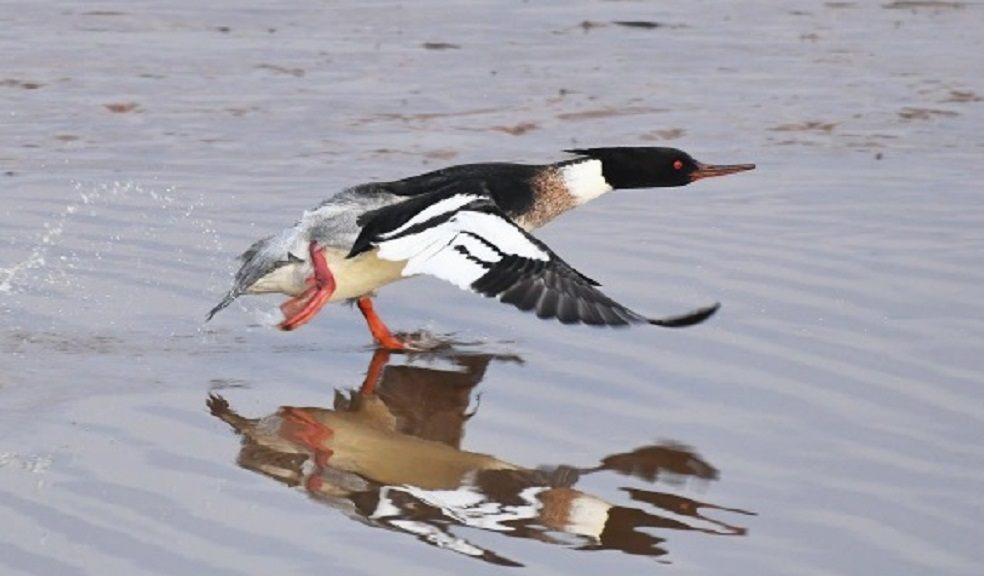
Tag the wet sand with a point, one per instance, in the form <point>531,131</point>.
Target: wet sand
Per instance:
<point>826,421</point>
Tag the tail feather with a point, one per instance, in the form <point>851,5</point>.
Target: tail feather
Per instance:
<point>226,300</point>
<point>263,257</point>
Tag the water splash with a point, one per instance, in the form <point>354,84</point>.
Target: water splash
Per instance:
<point>51,236</point>
<point>105,245</point>
<point>29,463</point>
<point>36,258</point>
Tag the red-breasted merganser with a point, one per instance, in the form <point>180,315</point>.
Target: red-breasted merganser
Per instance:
<point>469,225</point>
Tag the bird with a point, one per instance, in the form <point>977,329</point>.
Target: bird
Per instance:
<point>469,225</point>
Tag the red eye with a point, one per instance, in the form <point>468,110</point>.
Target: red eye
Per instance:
<point>677,164</point>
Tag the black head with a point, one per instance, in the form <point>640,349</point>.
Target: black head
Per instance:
<point>652,167</point>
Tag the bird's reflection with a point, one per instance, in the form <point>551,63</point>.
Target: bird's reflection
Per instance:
<point>388,455</point>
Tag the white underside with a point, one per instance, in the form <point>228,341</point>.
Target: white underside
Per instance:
<point>354,277</point>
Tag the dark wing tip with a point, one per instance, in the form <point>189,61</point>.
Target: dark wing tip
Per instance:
<point>689,319</point>
<point>578,151</point>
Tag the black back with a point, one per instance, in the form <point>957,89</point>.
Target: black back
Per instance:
<point>509,185</point>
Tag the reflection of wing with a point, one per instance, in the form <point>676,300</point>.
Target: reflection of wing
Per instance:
<point>458,234</point>
<point>647,462</point>
<point>426,402</point>
<point>409,510</point>
<point>430,403</point>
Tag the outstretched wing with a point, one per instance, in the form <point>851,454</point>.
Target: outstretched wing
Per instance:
<point>459,235</point>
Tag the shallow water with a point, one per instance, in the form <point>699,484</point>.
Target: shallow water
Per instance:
<point>827,421</point>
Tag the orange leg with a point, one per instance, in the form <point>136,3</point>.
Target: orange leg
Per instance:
<point>379,330</point>
<point>298,311</point>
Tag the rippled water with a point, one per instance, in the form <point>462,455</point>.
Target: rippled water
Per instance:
<point>827,421</point>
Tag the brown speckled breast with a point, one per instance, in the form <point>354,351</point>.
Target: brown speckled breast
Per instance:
<point>551,198</point>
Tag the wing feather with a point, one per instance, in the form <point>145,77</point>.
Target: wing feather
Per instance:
<point>458,234</point>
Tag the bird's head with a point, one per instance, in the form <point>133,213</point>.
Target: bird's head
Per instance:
<point>653,167</point>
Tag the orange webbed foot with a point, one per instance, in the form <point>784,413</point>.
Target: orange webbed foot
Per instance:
<point>301,309</point>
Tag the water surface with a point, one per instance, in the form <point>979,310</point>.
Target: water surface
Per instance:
<point>827,421</point>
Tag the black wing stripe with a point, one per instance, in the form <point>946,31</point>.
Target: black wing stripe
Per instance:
<point>464,252</point>
<point>421,226</point>
<point>485,242</point>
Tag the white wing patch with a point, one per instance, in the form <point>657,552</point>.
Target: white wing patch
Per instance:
<point>504,235</point>
<point>442,207</point>
<point>461,249</point>
<point>448,265</point>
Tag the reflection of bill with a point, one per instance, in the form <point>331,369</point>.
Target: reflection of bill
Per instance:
<point>388,455</point>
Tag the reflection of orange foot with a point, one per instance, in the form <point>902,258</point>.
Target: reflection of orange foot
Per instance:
<point>299,310</point>
<point>300,427</point>
<point>314,482</point>
<point>322,456</point>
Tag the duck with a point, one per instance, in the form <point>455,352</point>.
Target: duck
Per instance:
<point>470,225</point>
